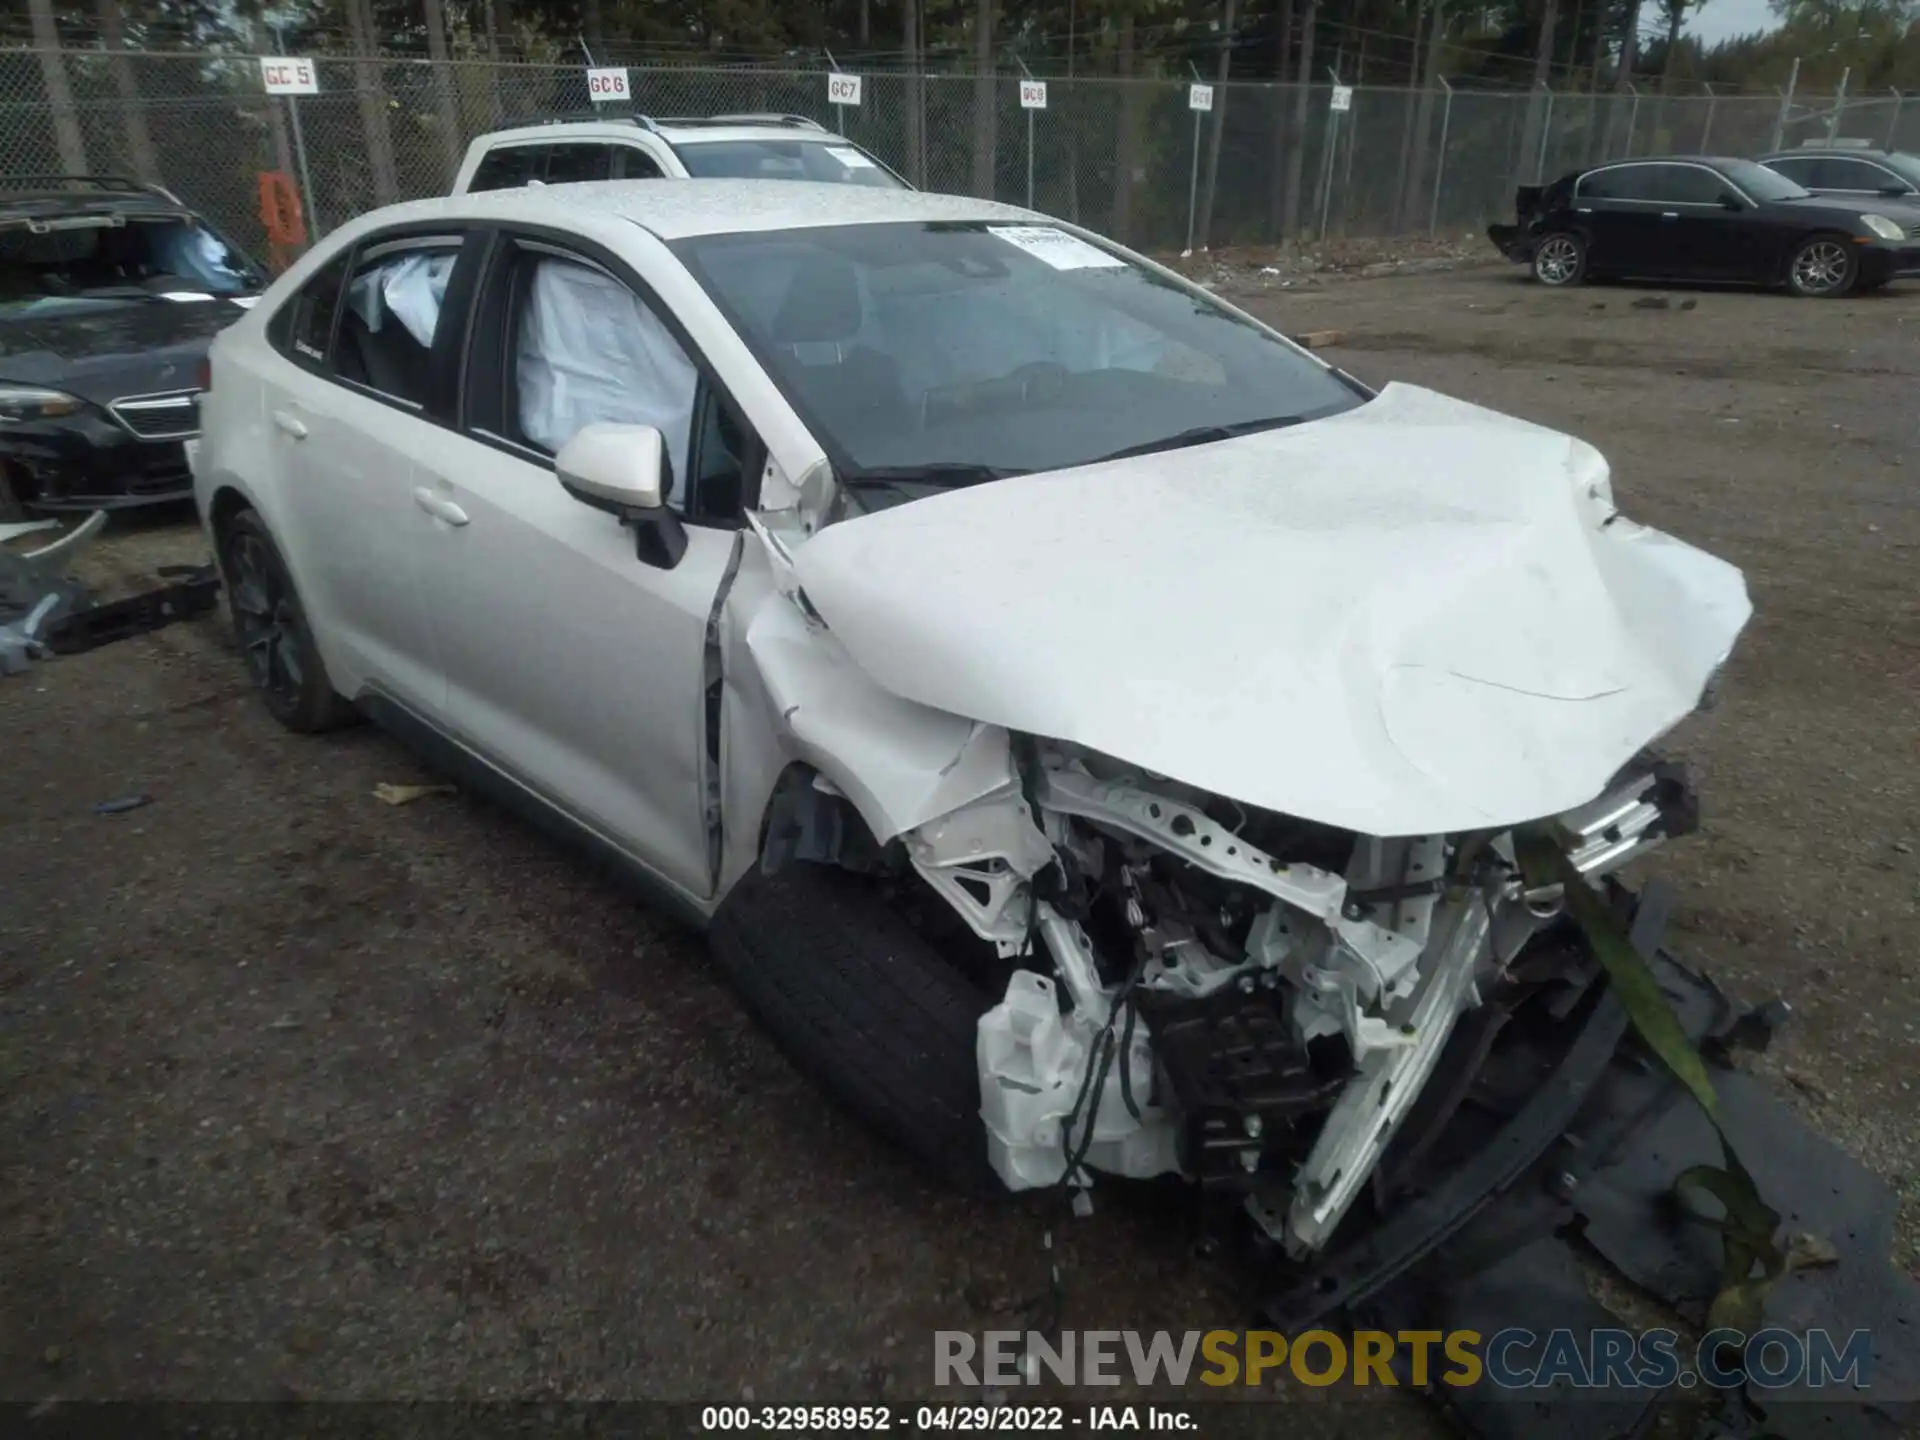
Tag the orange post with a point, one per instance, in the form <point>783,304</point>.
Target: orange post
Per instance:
<point>280,214</point>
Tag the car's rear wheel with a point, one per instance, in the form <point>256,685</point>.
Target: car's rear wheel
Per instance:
<point>865,1006</point>
<point>1823,267</point>
<point>275,639</point>
<point>1560,259</point>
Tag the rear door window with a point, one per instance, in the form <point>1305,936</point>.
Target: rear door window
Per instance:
<point>1837,174</point>
<point>1623,182</point>
<point>578,161</point>
<point>303,328</point>
<point>509,167</point>
<point>1687,185</point>
<point>633,163</point>
<point>392,316</point>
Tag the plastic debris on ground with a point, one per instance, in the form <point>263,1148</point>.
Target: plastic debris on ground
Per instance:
<point>406,794</point>
<point>122,805</point>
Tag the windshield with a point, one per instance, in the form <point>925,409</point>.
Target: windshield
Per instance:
<point>824,159</point>
<point>951,348</point>
<point>1760,182</point>
<point>90,261</point>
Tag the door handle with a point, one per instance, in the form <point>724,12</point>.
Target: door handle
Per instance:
<point>289,424</point>
<point>439,506</point>
<point>1669,214</point>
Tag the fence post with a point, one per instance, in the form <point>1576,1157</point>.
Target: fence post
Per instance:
<point>1706,131</point>
<point>839,111</point>
<point>1326,159</point>
<point>127,83</point>
<point>1029,74</point>
<point>1786,106</point>
<point>1893,126</point>
<point>314,228</point>
<point>70,142</point>
<point>306,174</point>
<point>1546,129</point>
<point>1440,160</point>
<point>1346,173</point>
<point>1633,118</point>
<point>1193,171</point>
<point>1839,105</point>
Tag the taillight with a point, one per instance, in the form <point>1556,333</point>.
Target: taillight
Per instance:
<point>203,377</point>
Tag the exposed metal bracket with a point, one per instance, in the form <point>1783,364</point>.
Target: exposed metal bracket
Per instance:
<point>1190,834</point>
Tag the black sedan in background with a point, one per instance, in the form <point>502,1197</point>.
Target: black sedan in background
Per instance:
<point>1689,217</point>
<point>1852,172</point>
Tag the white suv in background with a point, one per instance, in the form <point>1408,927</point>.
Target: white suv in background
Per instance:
<point>637,147</point>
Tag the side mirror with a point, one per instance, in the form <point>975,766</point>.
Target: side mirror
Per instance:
<point>1730,201</point>
<point>623,470</point>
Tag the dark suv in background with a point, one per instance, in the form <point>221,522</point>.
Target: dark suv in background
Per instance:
<point>109,293</point>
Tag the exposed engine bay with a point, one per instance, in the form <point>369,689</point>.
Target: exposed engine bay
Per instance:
<point>1249,1000</point>
<point>1421,662</point>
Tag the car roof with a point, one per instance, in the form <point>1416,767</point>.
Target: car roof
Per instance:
<point>689,208</point>
<point>1843,152</point>
<point>1713,160</point>
<point>681,131</point>
<point>83,194</point>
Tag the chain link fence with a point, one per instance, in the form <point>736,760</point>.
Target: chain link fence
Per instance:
<point>1118,156</point>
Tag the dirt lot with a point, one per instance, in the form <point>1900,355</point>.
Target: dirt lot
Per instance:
<point>305,1095</point>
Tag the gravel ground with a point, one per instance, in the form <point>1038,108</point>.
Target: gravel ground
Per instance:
<point>305,1095</point>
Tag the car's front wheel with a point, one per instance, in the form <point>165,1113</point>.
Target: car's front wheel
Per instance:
<point>275,639</point>
<point>1560,259</point>
<point>865,1007</point>
<point>1823,267</point>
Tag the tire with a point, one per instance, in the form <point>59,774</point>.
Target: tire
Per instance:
<point>282,661</point>
<point>1823,267</point>
<point>1560,260</point>
<point>864,1007</point>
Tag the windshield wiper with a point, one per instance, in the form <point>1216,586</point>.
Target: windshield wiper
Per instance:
<point>943,475</point>
<point>1198,435</point>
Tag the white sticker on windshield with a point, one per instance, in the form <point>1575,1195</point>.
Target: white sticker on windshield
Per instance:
<point>852,159</point>
<point>1059,249</point>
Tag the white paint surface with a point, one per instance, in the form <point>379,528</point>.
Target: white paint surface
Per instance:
<point>1411,618</point>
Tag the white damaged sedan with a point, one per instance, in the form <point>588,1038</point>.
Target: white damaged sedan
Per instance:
<point>1091,729</point>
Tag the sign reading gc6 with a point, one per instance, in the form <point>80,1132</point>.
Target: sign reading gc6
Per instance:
<point>606,83</point>
<point>843,89</point>
<point>288,75</point>
<point>1033,94</point>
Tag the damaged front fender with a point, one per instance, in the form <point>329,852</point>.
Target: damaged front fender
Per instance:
<point>900,763</point>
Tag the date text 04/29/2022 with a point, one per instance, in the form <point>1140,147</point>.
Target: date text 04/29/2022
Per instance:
<point>813,1419</point>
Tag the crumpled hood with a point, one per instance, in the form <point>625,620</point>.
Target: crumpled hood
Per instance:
<point>1410,618</point>
<point>127,349</point>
